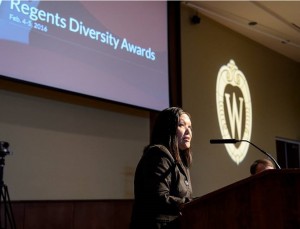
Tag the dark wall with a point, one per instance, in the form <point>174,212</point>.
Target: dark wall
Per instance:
<point>82,214</point>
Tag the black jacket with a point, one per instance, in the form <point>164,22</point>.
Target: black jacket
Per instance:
<point>161,186</point>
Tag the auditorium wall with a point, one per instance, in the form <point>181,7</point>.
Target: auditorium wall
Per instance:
<point>273,81</point>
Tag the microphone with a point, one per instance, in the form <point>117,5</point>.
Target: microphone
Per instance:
<point>233,141</point>
<point>223,141</point>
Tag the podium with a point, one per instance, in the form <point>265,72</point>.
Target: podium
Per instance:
<point>270,199</point>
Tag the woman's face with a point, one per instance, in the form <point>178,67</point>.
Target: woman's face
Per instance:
<point>184,132</point>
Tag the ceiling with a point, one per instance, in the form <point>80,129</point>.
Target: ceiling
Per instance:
<point>277,22</point>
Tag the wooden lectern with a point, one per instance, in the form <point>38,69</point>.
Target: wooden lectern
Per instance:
<point>270,199</point>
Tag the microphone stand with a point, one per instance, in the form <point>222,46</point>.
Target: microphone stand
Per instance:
<point>275,162</point>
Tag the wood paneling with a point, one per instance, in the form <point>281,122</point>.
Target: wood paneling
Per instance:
<point>83,214</point>
<point>269,199</point>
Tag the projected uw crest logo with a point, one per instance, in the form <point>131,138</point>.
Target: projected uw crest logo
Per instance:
<point>234,109</point>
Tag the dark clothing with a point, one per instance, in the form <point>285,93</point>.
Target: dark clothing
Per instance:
<point>161,186</point>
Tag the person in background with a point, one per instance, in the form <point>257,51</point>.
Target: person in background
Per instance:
<point>261,165</point>
<point>162,183</point>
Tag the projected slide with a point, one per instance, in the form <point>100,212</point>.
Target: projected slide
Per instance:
<point>112,50</point>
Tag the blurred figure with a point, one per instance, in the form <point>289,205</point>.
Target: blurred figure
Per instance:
<point>261,165</point>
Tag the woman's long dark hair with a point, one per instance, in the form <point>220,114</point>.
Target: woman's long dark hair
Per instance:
<point>165,133</point>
